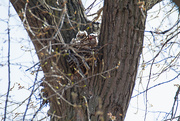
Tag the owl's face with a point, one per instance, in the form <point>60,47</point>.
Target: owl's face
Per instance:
<point>93,39</point>
<point>81,35</point>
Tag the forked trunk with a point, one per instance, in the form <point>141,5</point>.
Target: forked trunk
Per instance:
<point>105,89</point>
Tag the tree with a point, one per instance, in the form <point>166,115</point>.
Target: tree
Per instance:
<point>108,87</point>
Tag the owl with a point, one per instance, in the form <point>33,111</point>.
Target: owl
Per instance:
<point>80,36</point>
<point>90,42</point>
<point>93,40</point>
<point>85,41</point>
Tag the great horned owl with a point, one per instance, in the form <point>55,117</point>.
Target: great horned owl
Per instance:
<point>93,40</point>
<point>83,40</point>
<point>80,36</point>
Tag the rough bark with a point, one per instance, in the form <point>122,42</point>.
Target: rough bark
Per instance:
<point>124,39</point>
<point>121,40</point>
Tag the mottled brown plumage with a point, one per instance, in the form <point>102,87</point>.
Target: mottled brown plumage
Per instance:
<point>85,41</point>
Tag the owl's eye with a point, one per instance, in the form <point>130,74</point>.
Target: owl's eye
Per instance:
<point>91,37</point>
<point>82,36</point>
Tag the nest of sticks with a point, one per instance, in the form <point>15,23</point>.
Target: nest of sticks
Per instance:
<point>82,60</point>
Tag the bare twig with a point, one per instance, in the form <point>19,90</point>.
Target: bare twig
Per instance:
<point>175,100</point>
<point>32,92</point>
<point>152,67</point>
<point>88,112</point>
<point>9,75</point>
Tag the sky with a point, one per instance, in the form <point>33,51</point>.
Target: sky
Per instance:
<point>160,99</point>
<point>22,57</point>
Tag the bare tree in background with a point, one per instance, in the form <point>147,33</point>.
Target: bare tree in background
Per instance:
<point>92,83</point>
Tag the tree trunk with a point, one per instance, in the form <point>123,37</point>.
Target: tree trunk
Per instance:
<point>122,32</point>
<point>109,85</point>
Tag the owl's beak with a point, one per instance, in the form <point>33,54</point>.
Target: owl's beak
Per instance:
<point>92,37</point>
